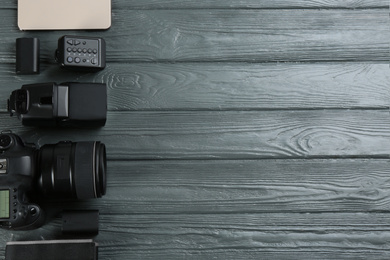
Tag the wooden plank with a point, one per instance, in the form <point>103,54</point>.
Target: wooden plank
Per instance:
<point>227,86</point>
<point>230,134</point>
<point>230,35</point>
<point>302,190</point>
<point>258,208</point>
<point>231,4</point>
<point>120,238</point>
<point>124,240</point>
<point>253,4</point>
<point>246,187</point>
<point>130,224</point>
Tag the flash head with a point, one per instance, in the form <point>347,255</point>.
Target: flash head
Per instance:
<point>18,102</point>
<point>65,104</point>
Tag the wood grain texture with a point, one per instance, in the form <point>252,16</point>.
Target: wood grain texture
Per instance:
<point>231,35</point>
<point>246,187</point>
<point>227,86</point>
<point>230,134</point>
<point>254,4</point>
<point>231,4</point>
<point>190,237</point>
<point>240,209</point>
<point>244,129</point>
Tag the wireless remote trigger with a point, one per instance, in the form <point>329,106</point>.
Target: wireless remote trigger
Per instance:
<point>81,53</point>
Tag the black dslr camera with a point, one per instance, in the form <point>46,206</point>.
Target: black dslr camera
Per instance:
<point>65,104</point>
<point>66,170</point>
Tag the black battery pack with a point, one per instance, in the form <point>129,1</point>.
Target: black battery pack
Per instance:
<point>84,249</point>
<point>81,222</point>
<point>27,56</point>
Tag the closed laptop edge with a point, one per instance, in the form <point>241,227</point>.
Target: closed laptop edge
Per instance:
<point>64,15</point>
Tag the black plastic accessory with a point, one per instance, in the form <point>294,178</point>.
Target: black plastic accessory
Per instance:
<point>82,249</point>
<point>65,104</point>
<point>30,175</point>
<point>27,56</point>
<point>83,222</point>
<point>81,53</point>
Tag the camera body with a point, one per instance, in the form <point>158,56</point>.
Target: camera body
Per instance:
<point>66,170</point>
<point>17,170</point>
<point>65,104</point>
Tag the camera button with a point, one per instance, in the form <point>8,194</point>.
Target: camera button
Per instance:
<point>5,141</point>
<point>70,42</point>
<point>33,211</point>
<point>77,60</point>
<point>69,59</point>
<point>3,166</point>
<point>77,42</point>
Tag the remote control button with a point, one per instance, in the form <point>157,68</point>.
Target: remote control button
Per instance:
<point>85,50</point>
<point>69,49</point>
<point>84,42</point>
<point>74,49</point>
<point>69,59</point>
<point>77,60</point>
<point>94,51</point>
<point>89,50</point>
<point>79,50</point>
<point>93,61</point>
<point>70,42</point>
<point>84,60</point>
<point>77,42</point>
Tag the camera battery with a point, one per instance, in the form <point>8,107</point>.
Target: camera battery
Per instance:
<point>82,249</point>
<point>82,222</point>
<point>27,56</point>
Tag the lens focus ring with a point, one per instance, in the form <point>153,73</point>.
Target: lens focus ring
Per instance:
<point>89,176</point>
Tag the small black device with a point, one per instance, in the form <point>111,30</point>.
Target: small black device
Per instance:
<point>80,222</point>
<point>27,56</point>
<point>75,249</point>
<point>66,170</point>
<point>81,53</point>
<point>65,104</point>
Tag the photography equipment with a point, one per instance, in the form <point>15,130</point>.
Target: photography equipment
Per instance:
<point>81,53</point>
<point>65,104</point>
<point>80,222</point>
<point>66,170</point>
<point>81,249</point>
<point>27,56</point>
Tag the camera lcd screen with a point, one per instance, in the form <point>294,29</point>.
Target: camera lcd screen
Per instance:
<point>4,204</point>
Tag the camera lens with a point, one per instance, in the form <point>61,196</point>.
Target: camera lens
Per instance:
<point>5,141</point>
<point>72,170</point>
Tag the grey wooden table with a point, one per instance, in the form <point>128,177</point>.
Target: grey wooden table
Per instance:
<point>245,129</point>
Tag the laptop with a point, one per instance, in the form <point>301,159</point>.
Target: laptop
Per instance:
<point>64,14</point>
